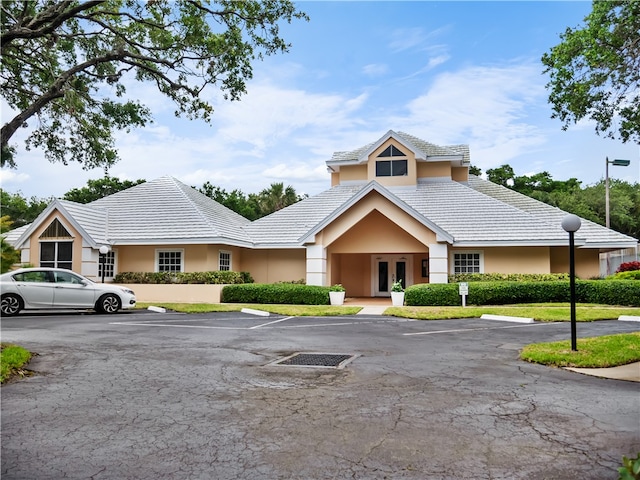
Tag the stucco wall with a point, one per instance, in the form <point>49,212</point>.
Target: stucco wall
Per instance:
<point>409,179</point>
<point>516,260</point>
<point>274,265</point>
<point>434,169</point>
<point>176,293</point>
<point>587,262</point>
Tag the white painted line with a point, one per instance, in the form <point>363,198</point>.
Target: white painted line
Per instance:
<point>176,326</point>
<point>505,318</point>
<point>629,318</point>
<point>157,309</point>
<point>270,323</point>
<point>477,329</point>
<point>251,311</point>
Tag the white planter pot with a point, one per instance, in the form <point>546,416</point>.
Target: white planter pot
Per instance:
<point>337,298</point>
<point>397,299</point>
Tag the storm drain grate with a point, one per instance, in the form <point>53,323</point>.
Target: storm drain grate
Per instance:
<point>329,360</point>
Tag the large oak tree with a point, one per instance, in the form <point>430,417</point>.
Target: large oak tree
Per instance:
<point>595,71</point>
<point>66,65</point>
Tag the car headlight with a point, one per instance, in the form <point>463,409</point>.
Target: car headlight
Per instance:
<point>126,290</point>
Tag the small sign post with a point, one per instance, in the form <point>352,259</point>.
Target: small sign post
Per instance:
<point>463,290</point>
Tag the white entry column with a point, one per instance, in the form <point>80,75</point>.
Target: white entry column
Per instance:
<point>438,263</point>
<point>316,265</point>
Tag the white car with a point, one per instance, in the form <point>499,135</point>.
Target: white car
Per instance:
<point>50,288</point>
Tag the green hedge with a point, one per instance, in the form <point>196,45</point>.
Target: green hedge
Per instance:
<point>278,293</point>
<point>507,277</point>
<point>620,292</point>
<point>214,277</point>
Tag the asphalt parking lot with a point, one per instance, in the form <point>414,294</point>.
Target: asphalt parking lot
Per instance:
<point>145,395</point>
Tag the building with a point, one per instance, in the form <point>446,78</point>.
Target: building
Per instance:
<point>399,208</point>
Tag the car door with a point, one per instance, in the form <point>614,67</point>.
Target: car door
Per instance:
<point>72,291</point>
<point>35,287</point>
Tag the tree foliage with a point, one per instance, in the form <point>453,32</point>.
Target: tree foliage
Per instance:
<point>570,196</point>
<point>254,206</point>
<point>8,255</point>
<point>66,65</point>
<point>595,71</point>
<point>99,188</point>
<point>20,210</point>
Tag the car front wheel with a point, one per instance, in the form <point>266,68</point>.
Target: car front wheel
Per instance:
<point>10,305</point>
<point>108,304</point>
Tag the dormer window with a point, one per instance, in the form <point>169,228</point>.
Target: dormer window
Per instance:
<point>391,168</point>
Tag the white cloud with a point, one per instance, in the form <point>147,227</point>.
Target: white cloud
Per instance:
<point>375,69</point>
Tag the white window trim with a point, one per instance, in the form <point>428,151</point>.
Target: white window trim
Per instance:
<point>228,252</point>
<point>156,265</point>
<point>452,262</point>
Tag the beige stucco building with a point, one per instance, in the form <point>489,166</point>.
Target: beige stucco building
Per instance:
<point>399,208</point>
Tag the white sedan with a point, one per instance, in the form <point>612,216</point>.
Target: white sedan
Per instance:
<point>49,288</point>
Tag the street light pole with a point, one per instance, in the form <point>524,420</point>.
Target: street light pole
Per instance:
<point>571,224</point>
<point>104,250</point>
<point>619,163</point>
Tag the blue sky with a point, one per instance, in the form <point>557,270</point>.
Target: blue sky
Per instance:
<point>447,72</point>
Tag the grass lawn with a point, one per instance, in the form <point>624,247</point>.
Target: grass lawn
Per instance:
<point>288,310</point>
<point>543,312</point>
<point>597,352</point>
<point>12,359</point>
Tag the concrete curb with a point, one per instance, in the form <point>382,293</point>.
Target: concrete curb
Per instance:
<point>505,318</point>
<point>629,318</point>
<point>251,311</point>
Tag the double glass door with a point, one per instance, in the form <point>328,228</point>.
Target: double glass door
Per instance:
<point>388,269</point>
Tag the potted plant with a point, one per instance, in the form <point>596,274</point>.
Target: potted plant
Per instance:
<point>397,294</point>
<point>336,294</point>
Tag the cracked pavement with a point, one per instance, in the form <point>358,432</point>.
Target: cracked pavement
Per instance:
<point>143,395</point>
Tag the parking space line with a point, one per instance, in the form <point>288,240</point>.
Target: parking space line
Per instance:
<point>270,323</point>
<point>145,324</point>
<point>458,330</point>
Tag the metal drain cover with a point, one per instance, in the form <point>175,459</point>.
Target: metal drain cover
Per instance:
<point>324,360</point>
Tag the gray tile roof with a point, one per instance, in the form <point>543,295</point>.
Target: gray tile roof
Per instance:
<point>465,212</point>
<point>594,234</point>
<point>166,210</point>
<point>427,148</point>
<point>474,214</point>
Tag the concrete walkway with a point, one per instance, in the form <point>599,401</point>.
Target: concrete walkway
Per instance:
<point>370,305</point>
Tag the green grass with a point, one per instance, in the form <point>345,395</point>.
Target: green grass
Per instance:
<point>12,359</point>
<point>597,352</point>
<point>544,312</point>
<point>289,310</point>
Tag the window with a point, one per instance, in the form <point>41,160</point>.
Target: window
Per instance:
<point>392,151</point>
<point>391,168</point>
<point>169,260</point>
<point>224,260</point>
<point>467,262</point>
<point>108,264</point>
<point>56,254</point>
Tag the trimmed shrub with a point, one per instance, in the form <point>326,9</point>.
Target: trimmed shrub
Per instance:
<point>621,292</point>
<point>214,277</point>
<point>276,293</point>
<point>630,275</point>
<point>507,277</point>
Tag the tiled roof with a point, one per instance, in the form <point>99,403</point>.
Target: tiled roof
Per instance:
<point>168,210</point>
<point>287,226</point>
<point>428,148</point>
<point>593,233</point>
<point>465,212</point>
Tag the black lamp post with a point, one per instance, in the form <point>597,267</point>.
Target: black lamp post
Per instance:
<point>104,249</point>
<point>571,224</point>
